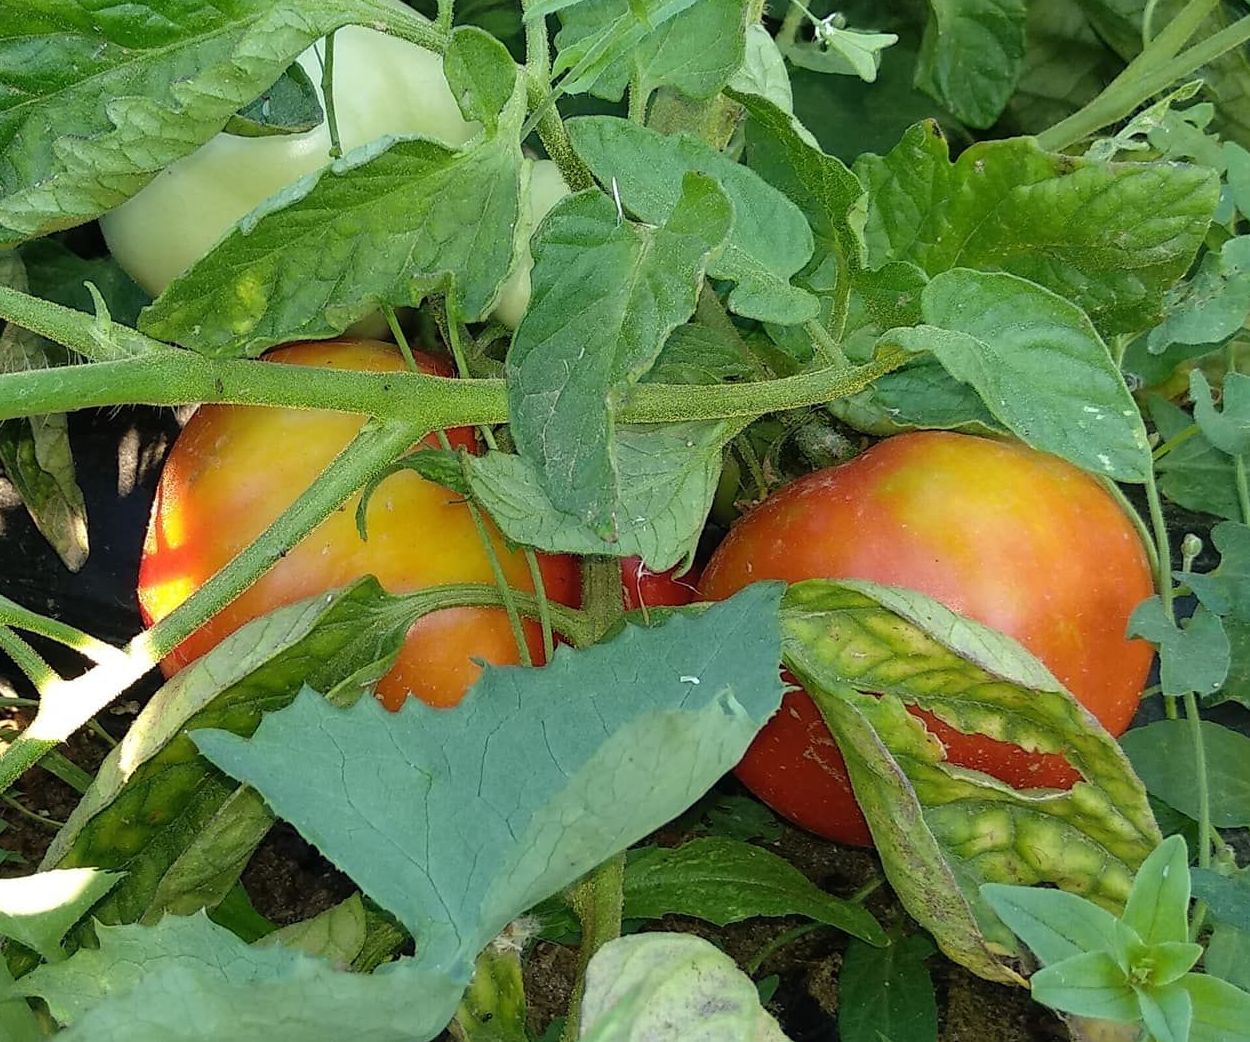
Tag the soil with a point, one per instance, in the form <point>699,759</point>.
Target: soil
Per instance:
<point>288,880</point>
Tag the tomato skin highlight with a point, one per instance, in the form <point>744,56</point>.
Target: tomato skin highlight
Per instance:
<point>1016,539</point>
<point>234,469</point>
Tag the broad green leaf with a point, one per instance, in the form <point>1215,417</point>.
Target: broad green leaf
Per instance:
<point>1213,305</point>
<point>666,477</point>
<point>607,293</point>
<point>1158,906</point>
<point>1166,1012</point>
<point>336,935</point>
<point>602,43</point>
<point>155,808</point>
<point>1039,366</point>
<point>291,105</point>
<point>17,1019</point>
<point>35,451</point>
<point>934,824</point>
<point>387,224</point>
<point>1221,1011</point>
<point>763,72</point>
<point>975,89</point>
<point>130,88</point>
<point>1166,962</point>
<point>1228,954</point>
<point>191,980</point>
<point>1163,756</point>
<point>830,196</point>
<point>726,881</point>
<point>1196,474</point>
<point>1237,163</point>
<point>1193,655</point>
<point>664,56</point>
<point>697,354</point>
<point>1228,428</point>
<point>39,910</point>
<point>671,987</point>
<point>493,1007</point>
<point>1237,684</point>
<point>1055,924</point>
<point>1227,897</point>
<point>744,818</point>
<point>57,274</point>
<point>920,396</point>
<point>480,73</point>
<point>843,52</point>
<point>1008,206</point>
<point>1090,985</point>
<point>1226,590</point>
<point>611,741</point>
<point>770,240</point>
<point>1065,66</point>
<point>887,993</point>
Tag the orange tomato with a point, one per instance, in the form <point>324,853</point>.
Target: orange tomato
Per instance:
<point>1016,539</point>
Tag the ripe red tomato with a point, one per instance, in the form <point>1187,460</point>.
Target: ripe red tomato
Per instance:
<point>1013,538</point>
<point>233,470</point>
<point>643,588</point>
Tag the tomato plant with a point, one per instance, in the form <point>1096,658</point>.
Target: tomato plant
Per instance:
<point>245,466</point>
<point>1018,540</point>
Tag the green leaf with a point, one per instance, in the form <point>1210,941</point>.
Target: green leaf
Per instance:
<point>1227,897</point>
<point>919,396</point>
<point>1163,756</point>
<point>1228,429</point>
<point>887,993</point>
<point>1039,366</point>
<point>844,52</point>
<point>726,881</point>
<point>387,224</point>
<point>481,74</point>
<point>1221,1011</point>
<point>612,741</point>
<point>1166,1012</point>
<point>336,935</point>
<point>57,274</point>
<point>763,71</point>
<point>669,987</point>
<point>666,479</point>
<point>39,910</point>
<point>744,818</point>
<point>155,809</point>
<point>1237,161</point>
<point>191,980</point>
<point>1193,656</point>
<point>290,106</point>
<point>942,831</point>
<point>493,1008</point>
<point>1166,962</point>
<point>975,89</point>
<point>1090,985</point>
<point>129,89</point>
<point>1158,906</point>
<point>1226,589</point>
<point>696,354</point>
<point>35,451</point>
<point>770,240</point>
<point>607,293</point>
<point>1008,206</point>
<point>663,57</point>
<point>17,1019</point>
<point>1228,954</point>
<point>1211,307</point>
<point>1056,925</point>
<point>1196,474</point>
<point>600,44</point>
<point>781,151</point>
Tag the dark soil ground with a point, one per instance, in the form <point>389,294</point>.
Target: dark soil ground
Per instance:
<point>288,880</point>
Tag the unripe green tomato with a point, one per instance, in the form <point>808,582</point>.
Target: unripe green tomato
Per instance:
<point>546,188</point>
<point>382,85</point>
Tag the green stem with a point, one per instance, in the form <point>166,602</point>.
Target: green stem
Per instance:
<point>638,98</point>
<point>1204,796</point>
<point>828,350</point>
<point>1158,66</point>
<point>13,614</point>
<point>27,659</point>
<point>445,17</point>
<point>1175,442</point>
<point>327,93</point>
<point>1163,567</point>
<point>67,705</point>
<point>1239,461</point>
<point>31,815</point>
<point>782,940</point>
<point>598,900</point>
